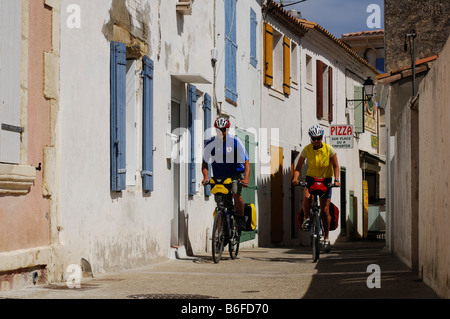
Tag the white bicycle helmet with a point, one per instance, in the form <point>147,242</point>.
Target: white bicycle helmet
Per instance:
<point>316,130</point>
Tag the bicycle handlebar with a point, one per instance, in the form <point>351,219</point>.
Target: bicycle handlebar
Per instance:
<point>209,182</point>
<point>304,184</point>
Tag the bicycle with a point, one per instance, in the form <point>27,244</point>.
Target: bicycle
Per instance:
<point>225,228</point>
<point>318,189</point>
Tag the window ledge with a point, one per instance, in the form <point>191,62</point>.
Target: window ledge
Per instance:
<point>16,179</point>
<point>184,7</point>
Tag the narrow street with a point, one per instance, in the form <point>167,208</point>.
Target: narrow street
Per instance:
<point>259,273</point>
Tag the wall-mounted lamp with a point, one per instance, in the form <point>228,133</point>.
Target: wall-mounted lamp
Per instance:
<point>368,90</point>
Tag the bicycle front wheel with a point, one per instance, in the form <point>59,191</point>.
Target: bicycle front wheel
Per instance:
<point>218,236</point>
<point>233,245</point>
<point>315,237</point>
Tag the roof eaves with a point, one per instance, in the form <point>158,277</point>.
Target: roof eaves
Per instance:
<point>422,65</point>
<point>318,27</point>
<point>285,17</point>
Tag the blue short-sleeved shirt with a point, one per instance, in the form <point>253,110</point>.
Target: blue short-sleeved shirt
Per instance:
<point>227,159</point>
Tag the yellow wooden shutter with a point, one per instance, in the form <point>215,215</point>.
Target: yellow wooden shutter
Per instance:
<point>287,65</point>
<point>268,54</point>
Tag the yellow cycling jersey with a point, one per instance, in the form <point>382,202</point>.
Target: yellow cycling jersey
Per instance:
<point>319,161</point>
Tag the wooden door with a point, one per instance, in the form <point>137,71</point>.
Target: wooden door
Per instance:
<point>276,194</point>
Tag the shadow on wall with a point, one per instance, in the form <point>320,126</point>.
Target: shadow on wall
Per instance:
<point>279,204</point>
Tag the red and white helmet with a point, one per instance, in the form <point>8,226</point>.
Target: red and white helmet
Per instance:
<point>222,123</point>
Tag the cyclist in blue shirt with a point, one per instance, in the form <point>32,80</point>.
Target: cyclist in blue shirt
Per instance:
<point>228,158</point>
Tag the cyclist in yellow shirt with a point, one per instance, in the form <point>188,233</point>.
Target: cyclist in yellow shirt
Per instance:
<point>322,163</point>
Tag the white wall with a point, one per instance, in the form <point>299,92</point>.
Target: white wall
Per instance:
<point>347,73</point>
<point>122,230</point>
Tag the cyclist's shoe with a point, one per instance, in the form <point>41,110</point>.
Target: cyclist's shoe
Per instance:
<point>326,246</point>
<point>306,224</point>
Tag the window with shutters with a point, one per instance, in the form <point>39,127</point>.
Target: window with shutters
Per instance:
<point>230,52</point>
<point>124,91</point>
<point>324,91</point>
<point>277,60</point>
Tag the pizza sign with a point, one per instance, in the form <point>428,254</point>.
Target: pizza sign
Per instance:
<point>342,136</point>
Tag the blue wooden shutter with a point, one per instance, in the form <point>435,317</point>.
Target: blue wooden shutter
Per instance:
<point>118,116</point>
<point>192,101</point>
<point>207,126</point>
<point>230,50</point>
<point>380,65</point>
<point>147,125</point>
<point>253,25</point>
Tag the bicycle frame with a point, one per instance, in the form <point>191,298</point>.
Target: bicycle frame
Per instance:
<point>225,231</point>
<point>317,190</point>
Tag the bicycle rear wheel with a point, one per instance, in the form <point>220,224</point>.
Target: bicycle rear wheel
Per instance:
<point>218,236</point>
<point>315,237</point>
<point>233,245</point>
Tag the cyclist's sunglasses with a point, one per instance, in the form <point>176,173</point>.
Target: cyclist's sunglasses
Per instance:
<point>316,138</point>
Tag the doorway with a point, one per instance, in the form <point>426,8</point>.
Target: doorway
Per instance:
<point>175,124</point>
<point>343,221</point>
<point>277,193</point>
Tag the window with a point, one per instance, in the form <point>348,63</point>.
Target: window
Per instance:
<point>253,28</point>
<point>230,52</point>
<point>324,91</point>
<point>309,72</point>
<point>278,66</point>
<point>123,88</point>
<point>131,122</point>
<point>277,60</point>
<point>294,63</point>
<point>10,77</point>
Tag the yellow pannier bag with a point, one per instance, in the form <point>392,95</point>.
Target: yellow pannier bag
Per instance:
<point>250,213</point>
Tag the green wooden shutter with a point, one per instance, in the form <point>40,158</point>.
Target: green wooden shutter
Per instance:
<point>358,110</point>
<point>249,141</point>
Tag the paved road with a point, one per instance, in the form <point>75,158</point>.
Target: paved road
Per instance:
<point>259,273</point>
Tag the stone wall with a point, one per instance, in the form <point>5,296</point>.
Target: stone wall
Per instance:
<point>431,21</point>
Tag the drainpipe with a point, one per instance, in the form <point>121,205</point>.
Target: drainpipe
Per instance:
<point>412,35</point>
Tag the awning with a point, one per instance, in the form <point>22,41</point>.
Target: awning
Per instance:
<point>190,78</point>
<point>373,156</point>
